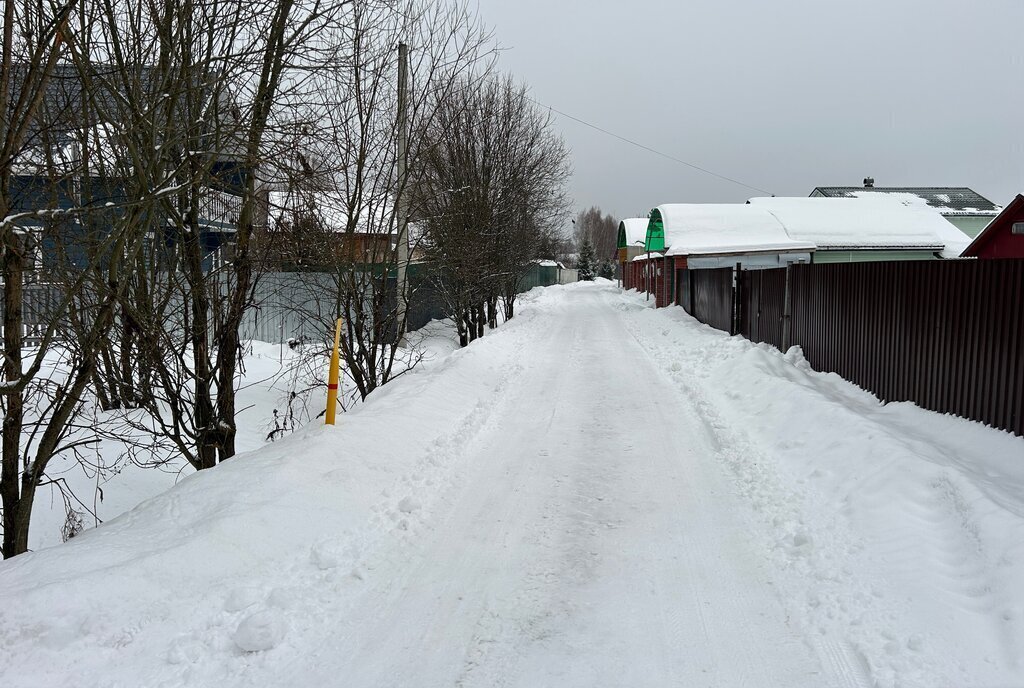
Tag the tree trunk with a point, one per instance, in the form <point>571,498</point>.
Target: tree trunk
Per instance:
<point>205,421</point>
<point>126,375</point>
<point>510,305</point>
<point>460,325</point>
<point>492,312</point>
<point>467,317</point>
<point>14,400</point>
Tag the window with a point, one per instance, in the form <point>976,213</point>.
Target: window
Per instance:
<point>1017,228</point>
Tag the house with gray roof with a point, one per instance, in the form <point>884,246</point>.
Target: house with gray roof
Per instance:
<point>74,168</point>
<point>968,210</point>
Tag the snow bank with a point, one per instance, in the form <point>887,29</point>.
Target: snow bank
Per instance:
<point>243,559</point>
<point>897,534</point>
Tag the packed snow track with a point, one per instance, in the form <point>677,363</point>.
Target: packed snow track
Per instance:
<point>596,494</point>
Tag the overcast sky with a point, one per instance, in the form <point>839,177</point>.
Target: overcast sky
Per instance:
<point>784,95</point>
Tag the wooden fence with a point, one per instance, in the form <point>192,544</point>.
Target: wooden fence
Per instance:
<point>946,335</point>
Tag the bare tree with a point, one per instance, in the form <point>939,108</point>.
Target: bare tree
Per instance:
<point>220,79</point>
<point>600,230</point>
<point>489,190</point>
<point>47,200</point>
<point>343,173</point>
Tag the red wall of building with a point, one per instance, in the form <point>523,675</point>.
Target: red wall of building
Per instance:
<point>998,240</point>
<point>1004,244</point>
<point>665,276</point>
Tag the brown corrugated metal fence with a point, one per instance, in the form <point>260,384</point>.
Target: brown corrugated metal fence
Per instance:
<point>761,305</point>
<point>946,335</point>
<point>713,297</point>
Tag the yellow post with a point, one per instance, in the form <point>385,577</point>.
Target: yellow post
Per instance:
<point>332,377</point>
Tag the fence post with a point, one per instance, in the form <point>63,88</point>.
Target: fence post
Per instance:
<point>787,310</point>
<point>690,280</point>
<point>735,329</point>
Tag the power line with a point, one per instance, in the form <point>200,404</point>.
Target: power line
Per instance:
<point>651,150</point>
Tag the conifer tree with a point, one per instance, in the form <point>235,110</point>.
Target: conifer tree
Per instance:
<point>587,264</point>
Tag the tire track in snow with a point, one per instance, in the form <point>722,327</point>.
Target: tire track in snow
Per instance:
<point>844,645</point>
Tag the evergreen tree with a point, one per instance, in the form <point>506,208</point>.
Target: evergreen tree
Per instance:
<point>606,269</point>
<point>587,264</point>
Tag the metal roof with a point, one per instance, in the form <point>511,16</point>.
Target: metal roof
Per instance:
<point>948,200</point>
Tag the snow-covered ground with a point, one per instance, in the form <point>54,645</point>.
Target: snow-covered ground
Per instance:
<point>107,479</point>
<point>598,494</point>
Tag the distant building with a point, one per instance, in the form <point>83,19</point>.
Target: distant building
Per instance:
<point>714,235</point>
<point>1004,236</point>
<point>968,210</point>
<point>309,229</point>
<point>631,241</point>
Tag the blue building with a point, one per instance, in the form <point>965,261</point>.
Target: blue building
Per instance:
<point>64,180</point>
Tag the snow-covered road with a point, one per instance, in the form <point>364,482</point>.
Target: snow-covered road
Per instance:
<point>592,543</point>
<point>598,494</point>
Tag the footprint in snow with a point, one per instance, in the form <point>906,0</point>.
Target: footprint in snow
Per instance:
<point>242,598</point>
<point>260,631</point>
<point>409,505</point>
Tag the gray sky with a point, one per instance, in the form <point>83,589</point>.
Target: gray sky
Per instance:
<point>784,95</point>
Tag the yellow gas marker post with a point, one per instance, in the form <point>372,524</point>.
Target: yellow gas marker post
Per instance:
<point>332,377</point>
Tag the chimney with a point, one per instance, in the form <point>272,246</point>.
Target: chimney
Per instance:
<point>869,182</point>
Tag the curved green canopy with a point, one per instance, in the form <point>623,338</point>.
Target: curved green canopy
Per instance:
<point>655,232</point>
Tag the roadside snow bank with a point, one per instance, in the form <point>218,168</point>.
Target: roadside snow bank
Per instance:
<point>899,532</point>
<point>189,587</point>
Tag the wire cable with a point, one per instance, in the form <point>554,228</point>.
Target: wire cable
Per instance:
<point>649,149</point>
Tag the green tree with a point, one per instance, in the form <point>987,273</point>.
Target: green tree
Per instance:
<point>587,265</point>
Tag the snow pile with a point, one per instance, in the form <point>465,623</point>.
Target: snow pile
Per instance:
<point>262,630</point>
<point>897,533</point>
<point>248,556</point>
<point>110,482</point>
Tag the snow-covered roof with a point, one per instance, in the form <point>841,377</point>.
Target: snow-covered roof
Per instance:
<point>948,200</point>
<point>545,263</point>
<point>716,228</point>
<point>635,230</point>
<point>868,222</point>
<point>645,256</point>
<point>108,155</point>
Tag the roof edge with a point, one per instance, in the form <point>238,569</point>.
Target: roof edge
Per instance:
<point>986,234</point>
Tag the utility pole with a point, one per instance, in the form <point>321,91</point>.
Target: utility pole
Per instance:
<point>401,199</point>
